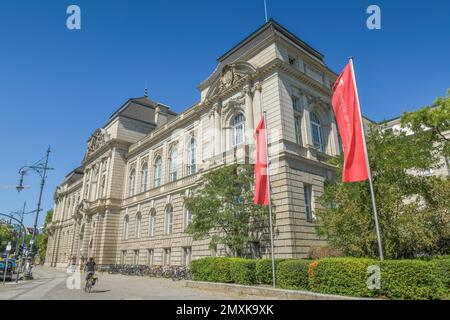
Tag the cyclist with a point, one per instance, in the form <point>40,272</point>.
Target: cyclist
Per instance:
<point>90,268</point>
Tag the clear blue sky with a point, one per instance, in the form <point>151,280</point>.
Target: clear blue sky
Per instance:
<point>57,86</point>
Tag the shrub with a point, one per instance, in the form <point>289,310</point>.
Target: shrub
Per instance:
<point>413,279</point>
<point>264,270</point>
<point>221,270</point>
<point>343,276</point>
<point>443,263</point>
<point>243,271</point>
<point>293,274</point>
<point>201,269</point>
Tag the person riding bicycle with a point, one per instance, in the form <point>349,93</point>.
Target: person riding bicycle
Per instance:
<point>90,268</point>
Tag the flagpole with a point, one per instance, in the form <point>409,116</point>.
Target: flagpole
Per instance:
<point>369,172</point>
<point>270,202</point>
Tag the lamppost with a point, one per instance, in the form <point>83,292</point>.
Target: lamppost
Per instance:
<point>41,168</point>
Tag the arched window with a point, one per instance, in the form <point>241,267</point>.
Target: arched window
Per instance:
<point>238,125</point>
<point>192,156</point>
<point>173,164</point>
<point>138,225</point>
<point>126,222</point>
<point>152,223</point>
<point>158,165</point>
<point>187,217</point>
<point>317,134</point>
<point>132,186</point>
<point>144,177</point>
<point>169,220</point>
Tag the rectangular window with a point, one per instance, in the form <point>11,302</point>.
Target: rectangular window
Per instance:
<point>308,202</point>
<point>298,129</point>
<point>150,254</point>
<point>296,104</point>
<point>187,256</point>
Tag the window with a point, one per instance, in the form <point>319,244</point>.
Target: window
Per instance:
<point>126,222</point>
<point>238,125</point>
<point>187,217</point>
<point>136,257</point>
<point>152,224</point>
<point>138,225</point>
<point>158,164</point>
<point>144,177</point>
<point>316,129</point>
<point>308,202</point>
<point>167,253</point>
<point>296,106</point>
<point>169,220</point>
<point>173,164</point>
<point>192,156</point>
<point>187,255</point>
<point>132,180</point>
<point>150,255</point>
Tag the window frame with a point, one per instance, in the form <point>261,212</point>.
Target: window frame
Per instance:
<point>236,128</point>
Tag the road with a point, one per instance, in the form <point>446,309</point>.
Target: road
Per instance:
<point>51,284</point>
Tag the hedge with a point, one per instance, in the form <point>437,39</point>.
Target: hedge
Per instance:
<point>293,274</point>
<point>342,276</point>
<point>413,279</point>
<point>243,271</point>
<point>400,279</point>
<point>264,270</point>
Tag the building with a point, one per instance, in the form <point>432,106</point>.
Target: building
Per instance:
<point>124,204</point>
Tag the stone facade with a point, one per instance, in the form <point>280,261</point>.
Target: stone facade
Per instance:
<point>124,204</point>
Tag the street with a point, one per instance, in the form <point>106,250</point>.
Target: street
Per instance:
<point>51,284</point>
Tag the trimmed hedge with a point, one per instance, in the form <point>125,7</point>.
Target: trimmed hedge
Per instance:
<point>342,276</point>
<point>243,271</point>
<point>413,279</point>
<point>293,274</point>
<point>264,270</point>
<point>400,279</point>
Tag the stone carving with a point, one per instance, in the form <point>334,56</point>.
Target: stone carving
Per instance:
<point>97,140</point>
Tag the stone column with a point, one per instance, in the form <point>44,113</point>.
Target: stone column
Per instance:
<point>217,129</point>
<point>249,125</point>
<point>257,101</point>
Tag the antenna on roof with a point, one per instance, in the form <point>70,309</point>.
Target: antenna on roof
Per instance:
<point>265,9</point>
<point>145,91</point>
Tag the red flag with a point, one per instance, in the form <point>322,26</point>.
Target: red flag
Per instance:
<point>346,109</point>
<point>261,187</point>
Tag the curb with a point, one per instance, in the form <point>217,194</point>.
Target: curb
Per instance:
<point>274,293</point>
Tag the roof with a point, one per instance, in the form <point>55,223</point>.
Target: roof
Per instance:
<point>275,26</point>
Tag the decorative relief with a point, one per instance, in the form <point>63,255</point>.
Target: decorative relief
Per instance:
<point>97,140</point>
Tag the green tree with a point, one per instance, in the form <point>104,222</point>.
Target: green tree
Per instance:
<point>42,239</point>
<point>436,118</point>
<point>223,210</point>
<point>412,208</point>
<point>6,235</point>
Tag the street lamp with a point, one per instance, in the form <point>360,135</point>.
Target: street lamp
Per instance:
<point>41,168</point>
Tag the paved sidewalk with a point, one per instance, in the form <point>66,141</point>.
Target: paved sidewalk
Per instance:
<point>50,284</point>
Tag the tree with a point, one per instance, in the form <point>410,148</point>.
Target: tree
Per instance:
<point>6,235</point>
<point>436,118</point>
<point>412,208</point>
<point>42,239</point>
<point>223,210</point>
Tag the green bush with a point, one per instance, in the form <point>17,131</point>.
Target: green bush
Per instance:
<point>201,269</point>
<point>413,279</point>
<point>342,276</point>
<point>221,270</point>
<point>293,274</point>
<point>264,270</point>
<point>443,263</point>
<point>243,271</point>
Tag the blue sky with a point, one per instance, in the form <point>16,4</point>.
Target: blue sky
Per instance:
<point>57,86</point>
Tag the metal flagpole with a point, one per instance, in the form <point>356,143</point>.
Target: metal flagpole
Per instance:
<point>265,9</point>
<point>270,202</point>
<point>369,172</point>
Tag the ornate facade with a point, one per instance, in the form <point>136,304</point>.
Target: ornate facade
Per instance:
<point>124,204</point>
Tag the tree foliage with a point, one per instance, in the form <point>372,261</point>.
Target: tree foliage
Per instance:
<point>413,208</point>
<point>223,210</point>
